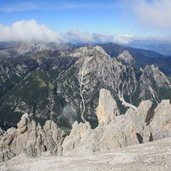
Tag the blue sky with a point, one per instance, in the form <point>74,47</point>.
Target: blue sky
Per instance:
<point>105,17</point>
<point>109,17</point>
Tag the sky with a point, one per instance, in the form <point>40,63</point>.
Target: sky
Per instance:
<point>84,20</point>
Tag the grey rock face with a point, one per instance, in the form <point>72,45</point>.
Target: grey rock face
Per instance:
<point>31,139</point>
<point>124,130</point>
<point>153,156</point>
<point>152,81</point>
<point>1,132</point>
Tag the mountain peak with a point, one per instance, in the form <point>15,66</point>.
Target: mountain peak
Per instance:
<point>152,70</point>
<point>89,51</point>
<point>161,79</point>
<point>126,57</point>
<point>100,49</point>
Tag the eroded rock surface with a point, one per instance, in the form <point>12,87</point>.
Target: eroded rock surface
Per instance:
<point>31,138</point>
<point>78,135</point>
<point>161,122</point>
<point>107,108</point>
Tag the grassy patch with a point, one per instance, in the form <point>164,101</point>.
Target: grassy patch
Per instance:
<point>66,130</point>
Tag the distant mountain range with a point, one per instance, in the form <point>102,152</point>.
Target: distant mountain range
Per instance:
<point>163,47</point>
<point>142,57</point>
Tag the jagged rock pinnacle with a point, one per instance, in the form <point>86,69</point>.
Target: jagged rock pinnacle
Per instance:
<point>126,57</point>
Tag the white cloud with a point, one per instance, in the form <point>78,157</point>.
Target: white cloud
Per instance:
<point>77,36</point>
<point>31,30</point>
<point>153,14</point>
<point>123,38</point>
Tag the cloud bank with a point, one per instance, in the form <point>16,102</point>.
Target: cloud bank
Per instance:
<point>28,30</point>
<point>31,30</point>
<point>152,14</point>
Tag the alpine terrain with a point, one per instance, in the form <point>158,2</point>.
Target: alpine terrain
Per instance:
<point>84,100</point>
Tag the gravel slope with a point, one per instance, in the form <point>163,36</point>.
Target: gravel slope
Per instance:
<point>154,156</point>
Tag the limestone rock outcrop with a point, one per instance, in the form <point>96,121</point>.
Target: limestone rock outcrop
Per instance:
<point>161,122</point>
<point>78,135</point>
<point>107,108</point>
<point>31,138</point>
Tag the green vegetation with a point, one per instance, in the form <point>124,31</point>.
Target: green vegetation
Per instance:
<point>165,93</point>
<point>51,86</point>
<point>66,130</point>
